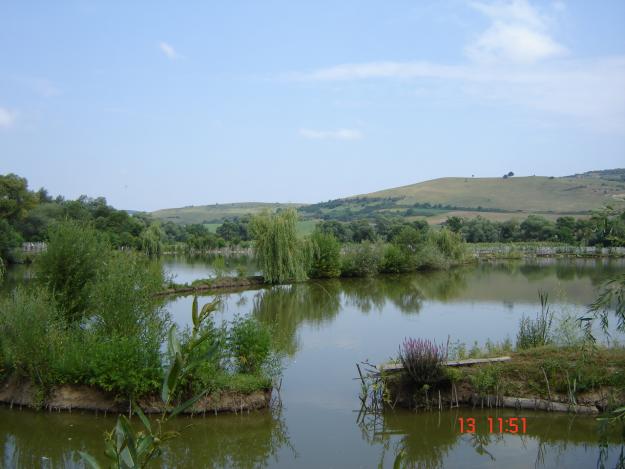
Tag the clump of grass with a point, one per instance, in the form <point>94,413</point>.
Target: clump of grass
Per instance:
<point>423,360</point>
<point>536,332</point>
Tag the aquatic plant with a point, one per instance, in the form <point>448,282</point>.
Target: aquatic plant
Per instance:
<point>423,360</point>
<point>128,448</point>
<point>536,332</point>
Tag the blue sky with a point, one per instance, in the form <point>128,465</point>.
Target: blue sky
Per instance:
<point>165,104</point>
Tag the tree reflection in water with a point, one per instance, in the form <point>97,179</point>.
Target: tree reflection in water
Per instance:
<point>428,439</point>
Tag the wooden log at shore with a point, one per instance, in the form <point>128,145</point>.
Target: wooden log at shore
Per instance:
<point>532,404</point>
<point>396,367</point>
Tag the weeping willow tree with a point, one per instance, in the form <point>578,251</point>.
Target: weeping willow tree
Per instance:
<point>281,256</point>
<point>152,240</point>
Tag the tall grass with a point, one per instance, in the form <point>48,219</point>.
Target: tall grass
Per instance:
<point>536,332</point>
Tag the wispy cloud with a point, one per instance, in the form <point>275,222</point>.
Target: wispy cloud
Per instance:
<point>7,118</point>
<point>516,61</point>
<point>518,33</point>
<point>339,134</point>
<point>169,50</point>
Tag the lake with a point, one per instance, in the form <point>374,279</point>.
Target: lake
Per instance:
<point>324,328</point>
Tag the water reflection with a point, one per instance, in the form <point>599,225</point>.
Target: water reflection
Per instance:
<point>29,439</point>
<point>433,440</point>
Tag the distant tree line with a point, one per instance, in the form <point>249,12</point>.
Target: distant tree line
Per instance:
<point>28,216</point>
<point>604,227</point>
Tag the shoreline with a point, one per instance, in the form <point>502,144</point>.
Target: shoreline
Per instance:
<point>15,392</point>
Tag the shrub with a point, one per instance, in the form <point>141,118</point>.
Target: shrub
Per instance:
<point>536,332</point>
<point>126,366</point>
<point>69,266</point>
<point>361,260</point>
<point>326,256</point>
<point>249,342</point>
<point>423,360</point>
<point>31,332</point>
<point>122,301</point>
<point>394,260</point>
<point>450,244</point>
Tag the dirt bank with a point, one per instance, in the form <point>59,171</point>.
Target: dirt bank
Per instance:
<point>68,397</point>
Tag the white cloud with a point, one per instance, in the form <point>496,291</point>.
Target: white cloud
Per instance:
<point>168,50</point>
<point>7,118</point>
<point>339,134</point>
<point>514,62</point>
<point>518,33</point>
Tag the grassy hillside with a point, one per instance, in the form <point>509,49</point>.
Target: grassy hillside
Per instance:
<point>524,193</point>
<point>435,200</point>
<point>211,214</point>
<point>497,198</point>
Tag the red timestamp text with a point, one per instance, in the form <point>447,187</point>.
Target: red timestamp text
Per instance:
<point>493,425</point>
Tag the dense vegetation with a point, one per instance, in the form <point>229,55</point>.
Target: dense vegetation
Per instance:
<point>282,256</point>
<point>604,228</point>
<point>91,317</point>
<point>30,216</point>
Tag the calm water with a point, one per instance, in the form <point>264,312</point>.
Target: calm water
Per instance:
<point>324,328</point>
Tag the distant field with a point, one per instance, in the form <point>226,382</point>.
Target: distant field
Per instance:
<point>215,214</point>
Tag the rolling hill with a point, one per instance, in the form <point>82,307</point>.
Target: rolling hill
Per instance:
<point>217,213</point>
<point>494,198</point>
<point>437,199</point>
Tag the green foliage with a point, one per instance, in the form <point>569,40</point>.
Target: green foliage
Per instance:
<point>31,334</point>
<point>121,298</point>
<point>127,366</point>
<point>281,256</point>
<point>486,379</point>
<point>15,198</point>
<point>10,239</point>
<point>249,342</point>
<point>394,260</point>
<point>152,240</point>
<point>70,265</point>
<point>326,257</point>
<point>361,260</point>
<point>129,448</point>
<point>610,301</point>
<point>536,332</point>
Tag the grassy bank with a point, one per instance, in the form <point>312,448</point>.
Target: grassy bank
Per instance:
<point>580,380</point>
<point>92,318</point>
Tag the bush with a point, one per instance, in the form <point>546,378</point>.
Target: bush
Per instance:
<point>126,366</point>
<point>326,256</point>
<point>69,266</point>
<point>122,301</point>
<point>450,244</point>
<point>423,360</point>
<point>249,343</point>
<point>394,260</point>
<point>537,332</point>
<point>361,260</point>
<point>31,334</point>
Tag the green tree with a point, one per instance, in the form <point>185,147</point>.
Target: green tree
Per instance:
<point>326,256</point>
<point>281,255</point>
<point>69,266</point>
<point>152,239</point>
<point>9,240</point>
<point>15,198</point>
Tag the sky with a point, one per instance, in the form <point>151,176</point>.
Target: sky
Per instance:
<point>168,104</point>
